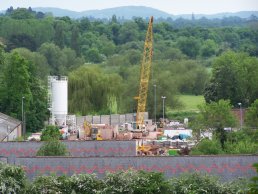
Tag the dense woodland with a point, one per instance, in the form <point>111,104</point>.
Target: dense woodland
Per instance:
<point>215,58</point>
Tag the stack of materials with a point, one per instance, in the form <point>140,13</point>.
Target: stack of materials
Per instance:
<point>124,136</point>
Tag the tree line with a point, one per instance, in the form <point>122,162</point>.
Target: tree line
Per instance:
<point>102,61</point>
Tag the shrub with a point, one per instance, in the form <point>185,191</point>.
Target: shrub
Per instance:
<point>156,183</point>
<point>203,183</point>
<point>241,147</point>
<point>241,142</point>
<point>12,179</point>
<point>181,115</point>
<point>251,118</point>
<point>53,148</point>
<point>254,184</point>
<point>50,133</point>
<point>132,181</point>
<point>239,186</point>
<point>85,183</point>
<point>50,184</point>
<point>193,183</point>
<point>207,147</point>
<point>251,133</point>
<point>120,182</point>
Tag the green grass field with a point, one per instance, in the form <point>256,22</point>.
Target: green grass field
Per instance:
<point>190,102</point>
<point>188,110</point>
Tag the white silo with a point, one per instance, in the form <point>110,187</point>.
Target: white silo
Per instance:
<point>58,99</point>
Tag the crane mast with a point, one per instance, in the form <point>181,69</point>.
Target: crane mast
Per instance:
<point>145,75</point>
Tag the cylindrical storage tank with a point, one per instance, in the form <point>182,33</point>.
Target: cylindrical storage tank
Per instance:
<point>59,99</point>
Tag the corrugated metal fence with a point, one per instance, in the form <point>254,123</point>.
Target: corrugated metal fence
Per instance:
<point>112,119</point>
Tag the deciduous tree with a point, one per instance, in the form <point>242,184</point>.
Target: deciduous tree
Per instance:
<point>252,115</point>
<point>15,86</point>
<point>234,77</point>
<point>216,116</point>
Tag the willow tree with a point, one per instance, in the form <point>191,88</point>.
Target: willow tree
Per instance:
<point>90,90</point>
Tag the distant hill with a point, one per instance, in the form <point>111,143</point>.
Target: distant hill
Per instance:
<point>57,11</point>
<point>127,12</point>
<point>241,14</point>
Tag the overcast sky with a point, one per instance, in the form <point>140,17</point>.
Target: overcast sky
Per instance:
<point>169,6</point>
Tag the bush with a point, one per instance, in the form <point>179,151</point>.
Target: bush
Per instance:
<point>132,181</point>
<point>79,184</point>
<point>181,115</point>
<point>254,185</point>
<point>53,148</point>
<point>241,147</point>
<point>203,183</point>
<point>194,183</point>
<point>121,182</point>
<point>12,179</point>
<point>85,183</point>
<point>237,142</point>
<point>50,133</point>
<point>251,118</point>
<point>207,147</point>
<point>50,184</point>
<point>239,186</point>
<point>241,142</point>
<point>156,183</point>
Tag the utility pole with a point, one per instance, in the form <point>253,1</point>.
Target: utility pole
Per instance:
<point>109,116</point>
<point>23,119</point>
<point>163,99</point>
<point>155,101</point>
<point>241,115</point>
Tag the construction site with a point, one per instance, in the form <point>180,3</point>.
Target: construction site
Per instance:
<point>115,142</point>
<point>163,137</point>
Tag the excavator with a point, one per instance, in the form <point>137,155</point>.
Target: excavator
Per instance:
<point>144,77</point>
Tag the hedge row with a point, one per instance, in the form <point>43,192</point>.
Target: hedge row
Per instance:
<point>13,180</point>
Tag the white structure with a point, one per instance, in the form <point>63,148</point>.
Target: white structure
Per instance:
<point>58,99</point>
<point>173,132</point>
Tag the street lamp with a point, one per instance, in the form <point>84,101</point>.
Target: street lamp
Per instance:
<point>155,105</point>
<point>241,115</point>
<point>23,119</point>
<point>163,99</point>
<point>110,116</point>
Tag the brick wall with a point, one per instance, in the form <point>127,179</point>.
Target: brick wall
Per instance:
<point>226,167</point>
<point>11,150</point>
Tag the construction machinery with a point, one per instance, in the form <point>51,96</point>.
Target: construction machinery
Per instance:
<point>144,76</point>
<point>92,132</point>
<point>148,150</point>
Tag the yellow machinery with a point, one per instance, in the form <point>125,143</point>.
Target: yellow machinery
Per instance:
<point>148,150</point>
<point>144,77</point>
<point>92,132</point>
<point>87,128</point>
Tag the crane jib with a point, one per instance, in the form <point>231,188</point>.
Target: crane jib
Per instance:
<point>145,74</point>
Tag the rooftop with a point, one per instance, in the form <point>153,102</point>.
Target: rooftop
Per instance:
<point>7,124</point>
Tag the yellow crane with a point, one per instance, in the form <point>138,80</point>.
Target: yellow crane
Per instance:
<point>145,75</point>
